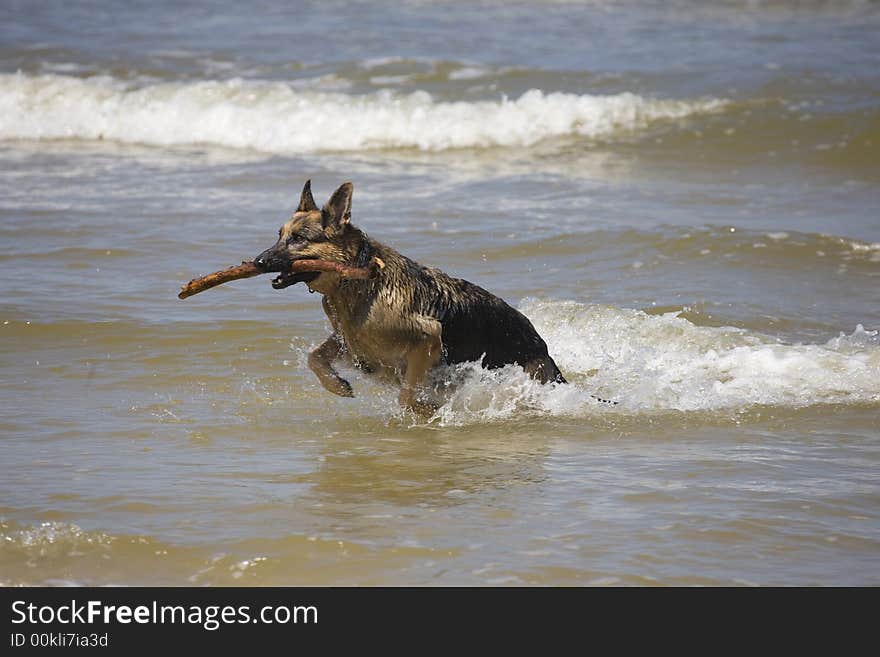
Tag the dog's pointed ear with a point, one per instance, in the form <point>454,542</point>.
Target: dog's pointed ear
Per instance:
<point>306,200</point>
<point>337,211</point>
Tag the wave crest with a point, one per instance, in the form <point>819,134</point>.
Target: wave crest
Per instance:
<point>659,363</point>
<point>275,117</point>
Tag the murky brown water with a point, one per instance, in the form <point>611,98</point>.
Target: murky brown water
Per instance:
<point>694,231</point>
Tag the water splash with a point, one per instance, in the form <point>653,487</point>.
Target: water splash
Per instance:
<point>660,363</point>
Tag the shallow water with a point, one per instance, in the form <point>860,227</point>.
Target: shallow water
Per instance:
<point>683,198</point>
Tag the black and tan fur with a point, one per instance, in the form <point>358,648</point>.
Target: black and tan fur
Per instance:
<point>405,320</point>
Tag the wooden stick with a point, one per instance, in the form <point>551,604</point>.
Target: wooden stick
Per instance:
<point>248,269</point>
<point>345,271</point>
<point>202,283</point>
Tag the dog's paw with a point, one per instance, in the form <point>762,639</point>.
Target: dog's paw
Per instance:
<point>420,408</point>
<point>424,409</point>
<point>339,386</point>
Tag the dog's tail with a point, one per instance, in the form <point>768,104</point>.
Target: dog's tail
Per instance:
<point>546,371</point>
<point>543,369</point>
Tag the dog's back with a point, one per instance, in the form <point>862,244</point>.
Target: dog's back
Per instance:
<point>476,324</point>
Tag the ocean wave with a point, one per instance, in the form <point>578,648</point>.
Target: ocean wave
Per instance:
<point>275,117</point>
<point>653,364</point>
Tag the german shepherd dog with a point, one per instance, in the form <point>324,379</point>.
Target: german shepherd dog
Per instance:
<point>405,320</point>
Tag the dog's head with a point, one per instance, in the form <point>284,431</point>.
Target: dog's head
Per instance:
<point>312,234</point>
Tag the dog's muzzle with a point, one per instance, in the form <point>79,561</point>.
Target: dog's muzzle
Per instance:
<point>273,260</point>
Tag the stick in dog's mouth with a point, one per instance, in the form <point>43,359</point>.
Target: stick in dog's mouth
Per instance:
<point>301,270</point>
<point>308,270</point>
<point>292,277</point>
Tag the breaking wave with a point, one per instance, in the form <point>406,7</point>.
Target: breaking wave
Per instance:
<point>278,118</point>
<point>658,363</point>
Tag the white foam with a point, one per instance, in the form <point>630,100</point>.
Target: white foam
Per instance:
<point>53,533</point>
<point>858,339</point>
<point>861,247</point>
<point>390,80</point>
<point>379,62</point>
<point>658,363</point>
<point>276,117</point>
<point>469,73</point>
<point>63,67</point>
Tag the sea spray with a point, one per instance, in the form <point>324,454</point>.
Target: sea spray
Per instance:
<point>659,363</point>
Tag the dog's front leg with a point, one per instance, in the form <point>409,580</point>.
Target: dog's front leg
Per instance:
<point>419,359</point>
<point>321,363</point>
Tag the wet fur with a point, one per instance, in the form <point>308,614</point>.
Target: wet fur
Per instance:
<point>408,318</point>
